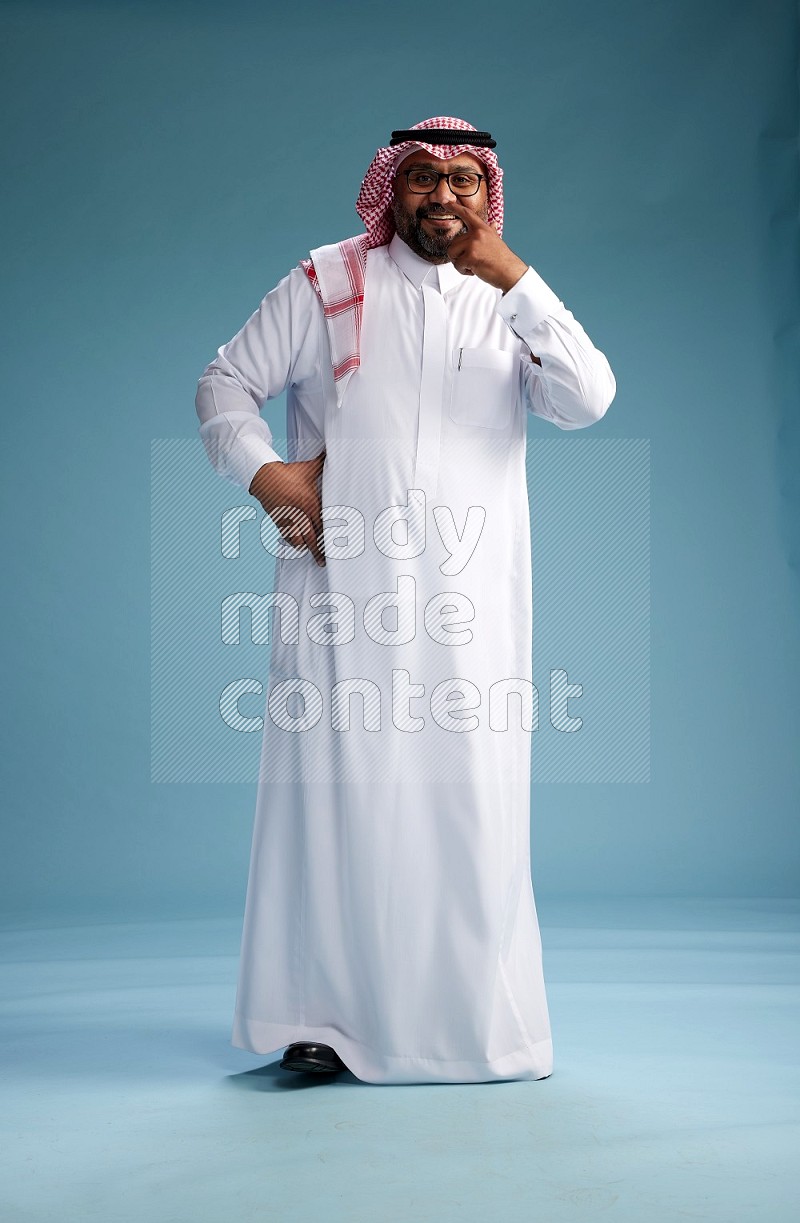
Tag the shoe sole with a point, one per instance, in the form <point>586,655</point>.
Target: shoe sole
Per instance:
<point>310,1066</point>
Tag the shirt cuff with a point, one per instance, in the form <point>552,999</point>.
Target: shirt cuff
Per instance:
<point>528,303</point>
<point>248,455</point>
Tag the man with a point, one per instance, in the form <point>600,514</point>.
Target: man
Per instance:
<point>390,924</point>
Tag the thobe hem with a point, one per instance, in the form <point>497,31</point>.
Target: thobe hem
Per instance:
<point>533,1061</point>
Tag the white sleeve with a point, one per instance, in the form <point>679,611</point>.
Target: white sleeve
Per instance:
<point>277,346</point>
<point>574,385</point>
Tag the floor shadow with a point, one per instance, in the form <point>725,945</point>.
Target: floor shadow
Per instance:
<point>272,1078</point>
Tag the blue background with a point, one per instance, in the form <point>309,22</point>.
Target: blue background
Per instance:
<point>165,164</point>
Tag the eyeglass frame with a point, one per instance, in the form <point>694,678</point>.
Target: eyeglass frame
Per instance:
<point>439,176</point>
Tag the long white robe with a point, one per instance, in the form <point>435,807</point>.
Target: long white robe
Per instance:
<point>390,909</point>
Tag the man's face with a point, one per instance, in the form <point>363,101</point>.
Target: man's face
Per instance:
<point>414,215</point>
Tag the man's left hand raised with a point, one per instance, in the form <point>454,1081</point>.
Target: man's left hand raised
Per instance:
<point>482,252</point>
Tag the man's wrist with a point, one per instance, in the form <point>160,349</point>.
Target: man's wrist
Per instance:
<point>513,276</point>
<point>264,477</point>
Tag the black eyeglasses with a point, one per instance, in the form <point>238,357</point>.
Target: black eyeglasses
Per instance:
<point>460,182</point>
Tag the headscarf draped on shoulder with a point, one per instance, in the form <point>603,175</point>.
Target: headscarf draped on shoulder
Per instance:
<point>338,271</point>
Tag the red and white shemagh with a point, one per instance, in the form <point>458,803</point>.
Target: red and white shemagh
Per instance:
<point>338,272</point>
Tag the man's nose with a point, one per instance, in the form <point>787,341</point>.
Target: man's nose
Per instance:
<point>442,194</point>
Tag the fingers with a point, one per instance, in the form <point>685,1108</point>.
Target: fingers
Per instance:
<point>294,537</point>
<point>314,541</point>
<point>460,250</point>
<point>302,529</point>
<point>313,510</point>
<point>458,260</point>
<point>467,215</point>
<point>306,538</point>
<point>299,518</point>
<point>305,535</point>
<point>312,532</point>
<point>316,518</point>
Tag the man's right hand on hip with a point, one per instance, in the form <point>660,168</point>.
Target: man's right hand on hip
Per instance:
<point>290,494</point>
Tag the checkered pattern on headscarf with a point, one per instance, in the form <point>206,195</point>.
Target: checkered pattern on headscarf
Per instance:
<point>337,272</point>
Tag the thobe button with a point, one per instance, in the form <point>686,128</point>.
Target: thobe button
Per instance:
<point>513,316</point>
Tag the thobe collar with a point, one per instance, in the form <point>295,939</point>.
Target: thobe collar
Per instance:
<point>443,276</point>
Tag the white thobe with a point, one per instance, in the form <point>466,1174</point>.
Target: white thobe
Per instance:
<point>389,908</point>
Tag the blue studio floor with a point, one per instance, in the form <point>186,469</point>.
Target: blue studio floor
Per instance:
<point>674,1094</point>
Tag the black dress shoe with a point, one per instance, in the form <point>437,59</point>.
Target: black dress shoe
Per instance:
<point>312,1058</point>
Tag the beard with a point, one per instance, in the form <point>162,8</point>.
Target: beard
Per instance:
<point>430,246</point>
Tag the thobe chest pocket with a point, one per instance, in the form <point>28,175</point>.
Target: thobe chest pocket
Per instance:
<point>484,387</point>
